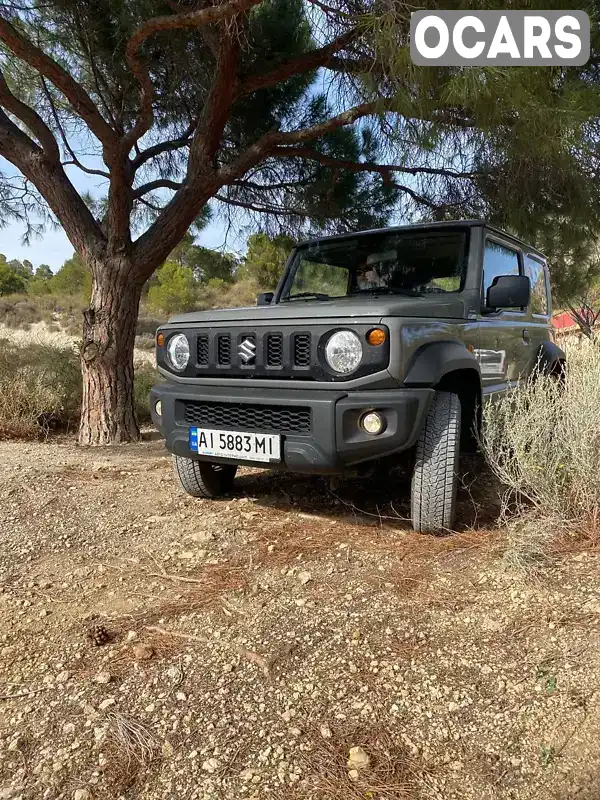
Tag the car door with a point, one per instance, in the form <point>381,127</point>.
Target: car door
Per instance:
<point>540,309</point>
<point>504,346</point>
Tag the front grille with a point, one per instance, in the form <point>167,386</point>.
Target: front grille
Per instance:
<point>302,349</point>
<point>203,351</point>
<point>224,350</point>
<point>270,419</point>
<point>275,350</point>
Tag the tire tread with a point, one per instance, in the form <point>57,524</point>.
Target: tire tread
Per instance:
<point>434,483</point>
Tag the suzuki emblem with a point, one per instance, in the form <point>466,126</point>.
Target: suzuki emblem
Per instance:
<point>247,351</point>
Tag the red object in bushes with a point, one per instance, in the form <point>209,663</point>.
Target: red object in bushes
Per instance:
<point>563,321</point>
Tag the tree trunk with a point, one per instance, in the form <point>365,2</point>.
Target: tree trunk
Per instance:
<point>109,324</point>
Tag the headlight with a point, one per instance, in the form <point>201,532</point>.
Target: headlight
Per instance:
<point>178,351</point>
<point>343,352</point>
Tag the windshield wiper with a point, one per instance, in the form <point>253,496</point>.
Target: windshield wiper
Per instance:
<point>386,290</point>
<point>313,295</point>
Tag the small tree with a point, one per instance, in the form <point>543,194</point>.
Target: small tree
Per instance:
<point>265,259</point>
<point>11,281</point>
<point>73,278</point>
<point>175,289</point>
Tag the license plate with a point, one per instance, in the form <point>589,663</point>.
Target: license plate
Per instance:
<point>235,444</point>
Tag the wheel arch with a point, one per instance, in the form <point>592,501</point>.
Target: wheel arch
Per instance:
<point>451,367</point>
<point>551,359</point>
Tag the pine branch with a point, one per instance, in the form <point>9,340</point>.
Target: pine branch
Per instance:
<point>191,19</point>
<point>366,166</point>
<point>296,66</point>
<point>79,99</point>
<point>31,119</point>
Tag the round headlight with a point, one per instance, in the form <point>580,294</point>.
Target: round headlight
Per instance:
<point>178,351</point>
<point>343,352</point>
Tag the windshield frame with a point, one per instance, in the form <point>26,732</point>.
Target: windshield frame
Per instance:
<point>295,260</point>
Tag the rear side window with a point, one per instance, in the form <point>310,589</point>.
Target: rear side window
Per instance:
<point>498,260</point>
<point>536,272</point>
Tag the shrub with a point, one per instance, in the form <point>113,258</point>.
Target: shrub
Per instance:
<point>542,442</point>
<point>16,311</point>
<point>146,376</point>
<point>40,388</point>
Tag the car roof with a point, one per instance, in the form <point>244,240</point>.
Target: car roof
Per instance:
<point>453,223</point>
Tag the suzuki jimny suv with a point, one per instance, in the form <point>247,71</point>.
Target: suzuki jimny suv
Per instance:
<point>374,344</point>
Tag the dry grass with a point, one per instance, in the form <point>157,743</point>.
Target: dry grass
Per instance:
<point>129,751</point>
<point>392,773</point>
<point>542,444</point>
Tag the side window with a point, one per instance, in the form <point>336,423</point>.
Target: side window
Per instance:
<point>498,260</point>
<point>536,272</point>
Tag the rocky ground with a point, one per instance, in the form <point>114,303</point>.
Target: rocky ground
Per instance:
<point>291,641</point>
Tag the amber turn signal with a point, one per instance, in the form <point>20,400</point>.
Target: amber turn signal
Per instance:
<point>376,337</point>
<point>160,339</point>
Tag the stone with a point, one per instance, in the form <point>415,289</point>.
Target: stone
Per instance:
<point>304,577</point>
<point>63,676</point>
<point>110,701</point>
<point>358,759</point>
<point>81,794</point>
<point>103,677</point>
<point>325,731</point>
<point>211,765</point>
<point>142,652</point>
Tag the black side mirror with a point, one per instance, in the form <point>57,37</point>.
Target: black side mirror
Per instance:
<point>509,291</point>
<point>265,299</point>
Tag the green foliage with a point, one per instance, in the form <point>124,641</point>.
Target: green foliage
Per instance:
<point>265,259</point>
<point>206,264</point>
<point>73,278</point>
<point>175,289</point>
<point>11,281</point>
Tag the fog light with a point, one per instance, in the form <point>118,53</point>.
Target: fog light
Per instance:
<point>158,408</point>
<point>373,423</point>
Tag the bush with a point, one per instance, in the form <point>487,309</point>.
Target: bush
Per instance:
<point>40,389</point>
<point>542,442</point>
<point>146,376</point>
<point>16,311</point>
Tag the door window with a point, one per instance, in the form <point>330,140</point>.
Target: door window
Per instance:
<point>536,272</point>
<point>498,260</point>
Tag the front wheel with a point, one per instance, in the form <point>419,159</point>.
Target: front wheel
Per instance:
<point>203,478</point>
<point>435,475</point>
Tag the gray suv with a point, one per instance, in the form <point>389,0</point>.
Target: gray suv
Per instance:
<point>374,344</point>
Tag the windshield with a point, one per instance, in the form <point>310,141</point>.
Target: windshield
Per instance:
<point>413,263</point>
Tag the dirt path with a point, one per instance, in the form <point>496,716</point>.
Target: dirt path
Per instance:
<point>252,642</point>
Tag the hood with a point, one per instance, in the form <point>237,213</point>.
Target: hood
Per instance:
<point>357,307</point>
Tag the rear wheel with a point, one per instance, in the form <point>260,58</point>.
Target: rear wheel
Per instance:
<point>203,478</point>
<point>435,475</point>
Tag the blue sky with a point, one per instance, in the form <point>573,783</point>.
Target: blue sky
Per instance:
<point>53,248</point>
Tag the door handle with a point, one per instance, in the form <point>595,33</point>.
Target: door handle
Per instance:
<point>526,337</point>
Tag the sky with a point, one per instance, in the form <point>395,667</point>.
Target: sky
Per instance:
<point>53,248</point>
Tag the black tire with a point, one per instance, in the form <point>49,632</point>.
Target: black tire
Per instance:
<point>203,478</point>
<point>435,474</point>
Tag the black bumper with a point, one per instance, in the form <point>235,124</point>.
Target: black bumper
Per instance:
<point>330,443</point>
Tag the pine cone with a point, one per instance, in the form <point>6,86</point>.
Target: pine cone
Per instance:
<point>98,634</point>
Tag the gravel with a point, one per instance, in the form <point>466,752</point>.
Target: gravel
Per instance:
<point>282,643</point>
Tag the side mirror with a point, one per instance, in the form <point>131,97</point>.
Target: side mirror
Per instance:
<point>509,291</point>
<point>265,299</point>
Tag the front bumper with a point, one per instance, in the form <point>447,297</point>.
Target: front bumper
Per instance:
<point>334,443</point>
